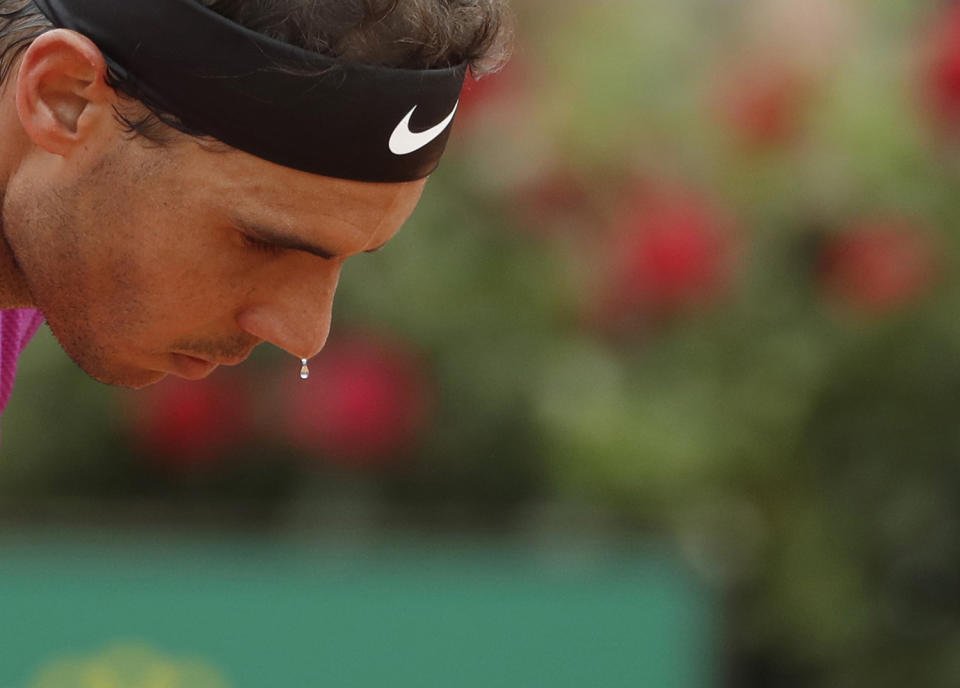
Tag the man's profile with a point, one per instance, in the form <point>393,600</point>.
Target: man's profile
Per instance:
<point>183,179</point>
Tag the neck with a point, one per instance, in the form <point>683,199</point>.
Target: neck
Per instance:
<point>13,286</point>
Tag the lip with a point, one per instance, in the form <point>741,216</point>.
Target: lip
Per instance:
<point>191,367</point>
<point>237,360</point>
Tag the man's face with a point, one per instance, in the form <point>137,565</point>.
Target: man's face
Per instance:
<point>148,261</point>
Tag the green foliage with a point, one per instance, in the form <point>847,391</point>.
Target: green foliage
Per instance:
<point>798,446</point>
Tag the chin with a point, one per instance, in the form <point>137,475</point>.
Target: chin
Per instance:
<point>103,364</point>
<point>131,378</point>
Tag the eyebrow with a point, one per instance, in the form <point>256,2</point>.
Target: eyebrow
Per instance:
<point>281,239</point>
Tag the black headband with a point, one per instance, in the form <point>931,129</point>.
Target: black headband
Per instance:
<point>278,102</point>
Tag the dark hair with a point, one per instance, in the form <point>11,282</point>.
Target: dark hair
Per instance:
<point>418,34</point>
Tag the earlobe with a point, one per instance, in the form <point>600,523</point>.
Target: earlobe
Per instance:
<point>61,90</point>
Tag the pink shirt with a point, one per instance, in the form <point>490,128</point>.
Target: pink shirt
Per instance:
<point>17,327</point>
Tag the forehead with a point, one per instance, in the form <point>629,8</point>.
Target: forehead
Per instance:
<point>360,214</point>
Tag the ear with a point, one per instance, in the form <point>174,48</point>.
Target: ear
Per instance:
<point>62,94</point>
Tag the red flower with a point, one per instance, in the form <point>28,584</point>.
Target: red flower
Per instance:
<point>553,202</point>
<point>762,106</point>
<point>878,265</point>
<point>365,402</point>
<point>478,93</point>
<point>671,252</point>
<point>941,81</point>
<point>182,423</point>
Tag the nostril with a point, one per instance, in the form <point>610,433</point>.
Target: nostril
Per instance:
<point>301,336</point>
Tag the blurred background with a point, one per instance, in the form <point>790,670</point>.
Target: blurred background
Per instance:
<point>684,290</point>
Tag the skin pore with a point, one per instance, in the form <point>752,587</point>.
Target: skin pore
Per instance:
<point>152,260</point>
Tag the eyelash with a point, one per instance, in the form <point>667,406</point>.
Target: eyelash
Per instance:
<point>261,246</point>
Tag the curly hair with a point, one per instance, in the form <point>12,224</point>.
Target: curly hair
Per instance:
<point>417,34</point>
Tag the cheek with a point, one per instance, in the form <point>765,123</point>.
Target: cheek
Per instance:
<point>145,279</point>
<point>193,276</point>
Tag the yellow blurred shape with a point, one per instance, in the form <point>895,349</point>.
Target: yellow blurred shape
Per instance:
<point>129,665</point>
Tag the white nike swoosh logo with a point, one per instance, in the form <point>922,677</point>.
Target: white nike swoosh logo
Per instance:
<point>404,141</point>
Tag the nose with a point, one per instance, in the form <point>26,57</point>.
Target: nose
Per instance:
<point>293,313</point>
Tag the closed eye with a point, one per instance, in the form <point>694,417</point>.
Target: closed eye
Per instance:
<point>262,246</point>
